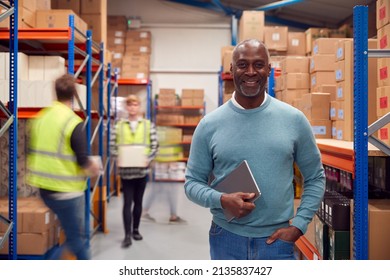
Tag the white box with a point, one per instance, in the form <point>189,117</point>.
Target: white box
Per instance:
<point>82,92</point>
<point>54,67</point>
<point>45,95</point>
<point>4,96</point>
<point>22,66</point>
<point>28,93</point>
<point>3,68</point>
<point>36,70</point>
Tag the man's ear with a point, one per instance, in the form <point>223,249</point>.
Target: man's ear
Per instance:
<point>231,68</point>
<point>269,70</point>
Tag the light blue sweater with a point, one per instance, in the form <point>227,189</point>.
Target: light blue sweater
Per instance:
<point>271,138</point>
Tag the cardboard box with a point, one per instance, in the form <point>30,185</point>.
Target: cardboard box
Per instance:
<point>94,7</point>
<point>312,34</point>
<point>334,107</point>
<point>322,129</point>
<point>383,72</point>
<point>36,70</point>
<point>192,93</point>
<point>22,66</point>
<point>295,64</point>
<point>98,24</point>
<point>382,13</point>
<point>325,46</point>
<point>54,67</point>
<point>296,81</point>
<point>383,37</point>
<point>59,19</point>
<point>227,60</point>
<point>384,136</point>
<point>3,65</point>
<point>73,5</point>
<point>275,37</point>
<point>316,106</point>
<point>320,78</point>
<point>289,95</point>
<point>344,49</point>
<point>383,101</point>
<point>225,49</point>
<point>251,25</point>
<point>331,89</point>
<point>296,43</point>
<point>322,62</point>
<point>378,229</point>
<point>26,18</point>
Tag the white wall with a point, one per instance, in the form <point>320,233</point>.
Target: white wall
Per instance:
<point>186,44</point>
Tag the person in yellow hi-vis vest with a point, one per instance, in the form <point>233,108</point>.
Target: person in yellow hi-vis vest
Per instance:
<point>58,164</point>
<point>130,137</point>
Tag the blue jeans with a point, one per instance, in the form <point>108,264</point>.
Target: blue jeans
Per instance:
<point>225,245</point>
<point>71,214</point>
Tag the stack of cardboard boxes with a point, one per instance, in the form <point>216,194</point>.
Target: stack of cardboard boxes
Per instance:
<point>383,90</point>
<point>136,60</point>
<point>38,227</point>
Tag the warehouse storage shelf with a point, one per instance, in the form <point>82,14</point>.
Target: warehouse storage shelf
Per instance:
<point>11,113</point>
<point>340,154</point>
<point>181,107</point>
<point>69,43</point>
<point>362,133</point>
<point>141,82</point>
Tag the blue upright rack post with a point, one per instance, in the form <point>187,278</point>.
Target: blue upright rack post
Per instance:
<point>148,100</point>
<point>360,215</point>
<point>108,169</point>
<point>13,130</point>
<point>101,131</point>
<point>220,87</point>
<point>88,129</point>
<point>71,44</point>
<point>271,83</point>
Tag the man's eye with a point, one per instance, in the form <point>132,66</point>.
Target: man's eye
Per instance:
<point>241,65</point>
<point>259,65</point>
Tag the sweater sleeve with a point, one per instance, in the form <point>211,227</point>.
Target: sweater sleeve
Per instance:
<point>308,159</point>
<point>199,168</point>
<point>78,143</point>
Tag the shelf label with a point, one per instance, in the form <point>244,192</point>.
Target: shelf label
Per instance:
<point>340,114</point>
<point>332,112</point>
<point>295,42</point>
<point>384,133</point>
<point>383,103</point>
<point>340,52</point>
<point>382,12</point>
<point>319,130</point>
<point>340,92</point>
<point>339,74</point>
<point>340,134</point>
<point>383,42</point>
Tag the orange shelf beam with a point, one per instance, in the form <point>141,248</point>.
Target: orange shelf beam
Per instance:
<point>39,33</point>
<point>133,81</point>
<point>226,76</point>
<point>307,249</point>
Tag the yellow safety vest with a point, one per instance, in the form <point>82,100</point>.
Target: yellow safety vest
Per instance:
<point>51,162</point>
<point>141,136</point>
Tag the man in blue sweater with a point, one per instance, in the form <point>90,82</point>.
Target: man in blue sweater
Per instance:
<point>271,136</point>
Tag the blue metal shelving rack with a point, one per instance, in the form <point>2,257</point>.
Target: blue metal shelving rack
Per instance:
<point>12,125</point>
<point>362,133</point>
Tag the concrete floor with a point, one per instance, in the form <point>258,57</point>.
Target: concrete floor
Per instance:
<point>162,241</point>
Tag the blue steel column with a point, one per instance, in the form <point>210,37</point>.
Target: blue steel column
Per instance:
<point>88,128</point>
<point>271,83</point>
<point>13,130</point>
<point>71,44</point>
<point>101,131</point>
<point>149,100</point>
<point>108,175</point>
<point>220,87</point>
<point>115,116</point>
<point>234,30</point>
<point>360,215</point>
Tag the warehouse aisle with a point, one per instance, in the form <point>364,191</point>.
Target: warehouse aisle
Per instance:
<point>162,241</point>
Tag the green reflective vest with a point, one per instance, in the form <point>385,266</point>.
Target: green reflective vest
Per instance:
<point>51,162</point>
<point>141,136</point>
